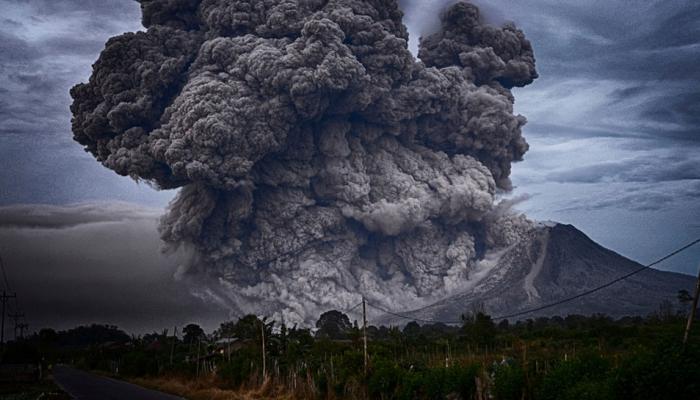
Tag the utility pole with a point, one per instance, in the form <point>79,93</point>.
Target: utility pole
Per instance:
<point>16,317</point>
<point>4,299</point>
<point>199,344</point>
<point>262,335</point>
<point>364,330</point>
<point>22,327</point>
<point>172,347</point>
<point>692,310</point>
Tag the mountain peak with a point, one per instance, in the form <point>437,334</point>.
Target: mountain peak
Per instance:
<point>553,262</point>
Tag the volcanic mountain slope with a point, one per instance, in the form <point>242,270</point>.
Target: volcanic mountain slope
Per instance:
<point>553,262</point>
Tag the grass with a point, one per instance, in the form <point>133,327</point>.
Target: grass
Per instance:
<point>42,390</point>
<point>209,389</point>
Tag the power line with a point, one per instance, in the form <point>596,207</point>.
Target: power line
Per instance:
<point>556,303</point>
<point>432,321</point>
<point>614,281</point>
<point>353,307</point>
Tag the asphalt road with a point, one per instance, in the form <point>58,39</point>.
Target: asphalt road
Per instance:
<point>85,386</point>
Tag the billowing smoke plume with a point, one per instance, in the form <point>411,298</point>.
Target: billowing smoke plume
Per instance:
<point>318,159</point>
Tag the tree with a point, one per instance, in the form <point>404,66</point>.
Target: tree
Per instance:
<point>48,336</point>
<point>480,329</point>
<point>333,325</point>
<point>684,298</point>
<point>412,329</point>
<point>193,333</point>
<point>247,327</point>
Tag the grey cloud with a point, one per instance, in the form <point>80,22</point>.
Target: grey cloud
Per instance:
<point>15,49</point>
<point>649,46</point>
<point>682,109</point>
<point>105,8</point>
<point>599,32</point>
<point>317,159</point>
<point>641,198</point>
<point>96,263</point>
<point>38,70</point>
<point>59,217</point>
<point>642,169</point>
<point>564,132</point>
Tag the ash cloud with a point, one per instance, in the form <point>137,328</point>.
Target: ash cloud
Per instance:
<point>317,159</point>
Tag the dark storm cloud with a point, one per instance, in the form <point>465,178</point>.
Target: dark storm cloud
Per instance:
<point>652,48</point>
<point>631,70</point>
<point>41,57</point>
<point>589,38</point>
<point>96,263</point>
<point>45,48</point>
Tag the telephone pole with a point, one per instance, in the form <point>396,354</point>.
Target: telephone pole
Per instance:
<point>692,310</point>
<point>16,317</point>
<point>172,346</point>
<point>199,344</point>
<point>262,335</point>
<point>5,297</point>
<point>364,330</point>
<point>22,327</point>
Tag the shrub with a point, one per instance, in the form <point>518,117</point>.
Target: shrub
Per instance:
<point>665,373</point>
<point>509,382</point>
<point>586,377</point>
<point>240,368</point>
<point>138,363</point>
<point>438,383</point>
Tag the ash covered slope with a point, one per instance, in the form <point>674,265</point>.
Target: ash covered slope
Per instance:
<point>318,160</point>
<point>554,262</point>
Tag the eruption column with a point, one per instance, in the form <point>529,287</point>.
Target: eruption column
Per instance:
<point>318,160</point>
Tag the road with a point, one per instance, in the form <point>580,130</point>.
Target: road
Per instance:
<point>85,386</point>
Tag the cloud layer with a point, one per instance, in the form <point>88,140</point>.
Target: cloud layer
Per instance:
<point>96,263</point>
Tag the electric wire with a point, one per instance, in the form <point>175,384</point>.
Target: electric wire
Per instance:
<point>556,303</point>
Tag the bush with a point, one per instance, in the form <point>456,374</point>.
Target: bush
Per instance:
<point>586,377</point>
<point>384,379</point>
<point>666,373</point>
<point>509,382</point>
<point>438,383</point>
<point>138,363</point>
<point>240,368</point>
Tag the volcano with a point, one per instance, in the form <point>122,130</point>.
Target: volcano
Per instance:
<point>550,263</point>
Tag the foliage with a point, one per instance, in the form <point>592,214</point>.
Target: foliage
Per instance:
<point>480,329</point>
<point>575,357</point>
<point>193,333</point>
<point>582,378</point>
<point>509,382</point>
<point>665,372</point>
<point>333,325</point>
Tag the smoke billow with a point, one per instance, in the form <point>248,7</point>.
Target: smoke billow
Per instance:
<point>318,159</point>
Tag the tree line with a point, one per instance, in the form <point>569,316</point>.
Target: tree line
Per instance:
<point>573,357</point>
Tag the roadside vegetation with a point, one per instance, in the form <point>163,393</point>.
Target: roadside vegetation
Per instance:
<point>575,357</point>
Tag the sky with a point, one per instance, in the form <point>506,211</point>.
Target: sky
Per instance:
<point>614,123</point>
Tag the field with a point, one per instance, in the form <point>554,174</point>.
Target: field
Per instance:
<point>548,358</point>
